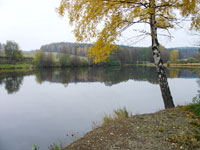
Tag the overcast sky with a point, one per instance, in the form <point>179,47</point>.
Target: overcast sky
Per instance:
<point>32,23</point>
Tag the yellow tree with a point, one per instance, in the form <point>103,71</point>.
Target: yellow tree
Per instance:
<point>174,55</point>
<point>105,20</point>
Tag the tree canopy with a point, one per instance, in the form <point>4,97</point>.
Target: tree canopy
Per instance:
<point>105,20</point>
<point>12,51</point>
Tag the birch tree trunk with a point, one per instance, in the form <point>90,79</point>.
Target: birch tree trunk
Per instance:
<point>162,79</point>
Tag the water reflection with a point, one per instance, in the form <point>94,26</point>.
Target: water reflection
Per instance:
<point>198,91</point>
<point>183,73</point>
<point>42,113</point>
<point>109,76</point>
<point>12,81</point>
<point>12,84</point>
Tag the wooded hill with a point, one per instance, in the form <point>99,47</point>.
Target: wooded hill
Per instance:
<point>124,54</point>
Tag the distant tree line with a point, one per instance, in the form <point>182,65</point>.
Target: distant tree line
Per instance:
<point>62,59</point>
<point>185,52</point>
<point>66,54</point>
<point>175,57</point>
<point>125,54</point>
<point>130,55</point>
<point>71,48</point>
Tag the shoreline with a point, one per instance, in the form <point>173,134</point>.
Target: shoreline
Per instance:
<point>7,67</point>
<point>172,65</point>
<point>164,130</point>
<point>30,66</point>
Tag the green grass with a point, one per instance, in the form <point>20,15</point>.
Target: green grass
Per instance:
<point>187,65</point>
<point>171,65</point>
<point>51,147</point>
<point>119,114</point>
<point>55,147</point>
<point>9,67</point>
<point>195,107</point>
<point>190,140</point>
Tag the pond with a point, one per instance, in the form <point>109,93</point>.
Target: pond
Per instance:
<point>56,106</point>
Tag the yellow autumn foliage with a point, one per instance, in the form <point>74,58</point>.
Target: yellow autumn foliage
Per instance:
<point>174,55</point>
<point>104,20</point>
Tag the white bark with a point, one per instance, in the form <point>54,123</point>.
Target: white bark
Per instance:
<point>166,94</point>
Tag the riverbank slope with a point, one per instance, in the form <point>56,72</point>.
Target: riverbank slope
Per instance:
<point>164,130</point>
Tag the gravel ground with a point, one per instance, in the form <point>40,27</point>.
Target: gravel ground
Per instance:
<point>170,129</point>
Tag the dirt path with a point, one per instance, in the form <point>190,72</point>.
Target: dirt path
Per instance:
<point>170,129</point>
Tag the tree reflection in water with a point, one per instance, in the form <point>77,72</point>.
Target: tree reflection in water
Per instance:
<point>108,76</point>
<point>12,80</point>
<point>198,91</point>
<point>12,84</point>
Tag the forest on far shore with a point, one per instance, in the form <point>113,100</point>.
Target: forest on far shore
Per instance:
<point>65,54</point>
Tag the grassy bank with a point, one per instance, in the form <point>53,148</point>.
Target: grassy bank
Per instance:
<point>188,65</point>
<point>16,67</point>
<point>194,107</point>
<point>4,67</point>
<point>171,65</point>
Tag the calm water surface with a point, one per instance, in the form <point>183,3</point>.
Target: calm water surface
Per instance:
<point>44,106</point>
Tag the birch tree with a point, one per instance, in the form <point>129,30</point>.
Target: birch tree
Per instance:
<point>88,16</point>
